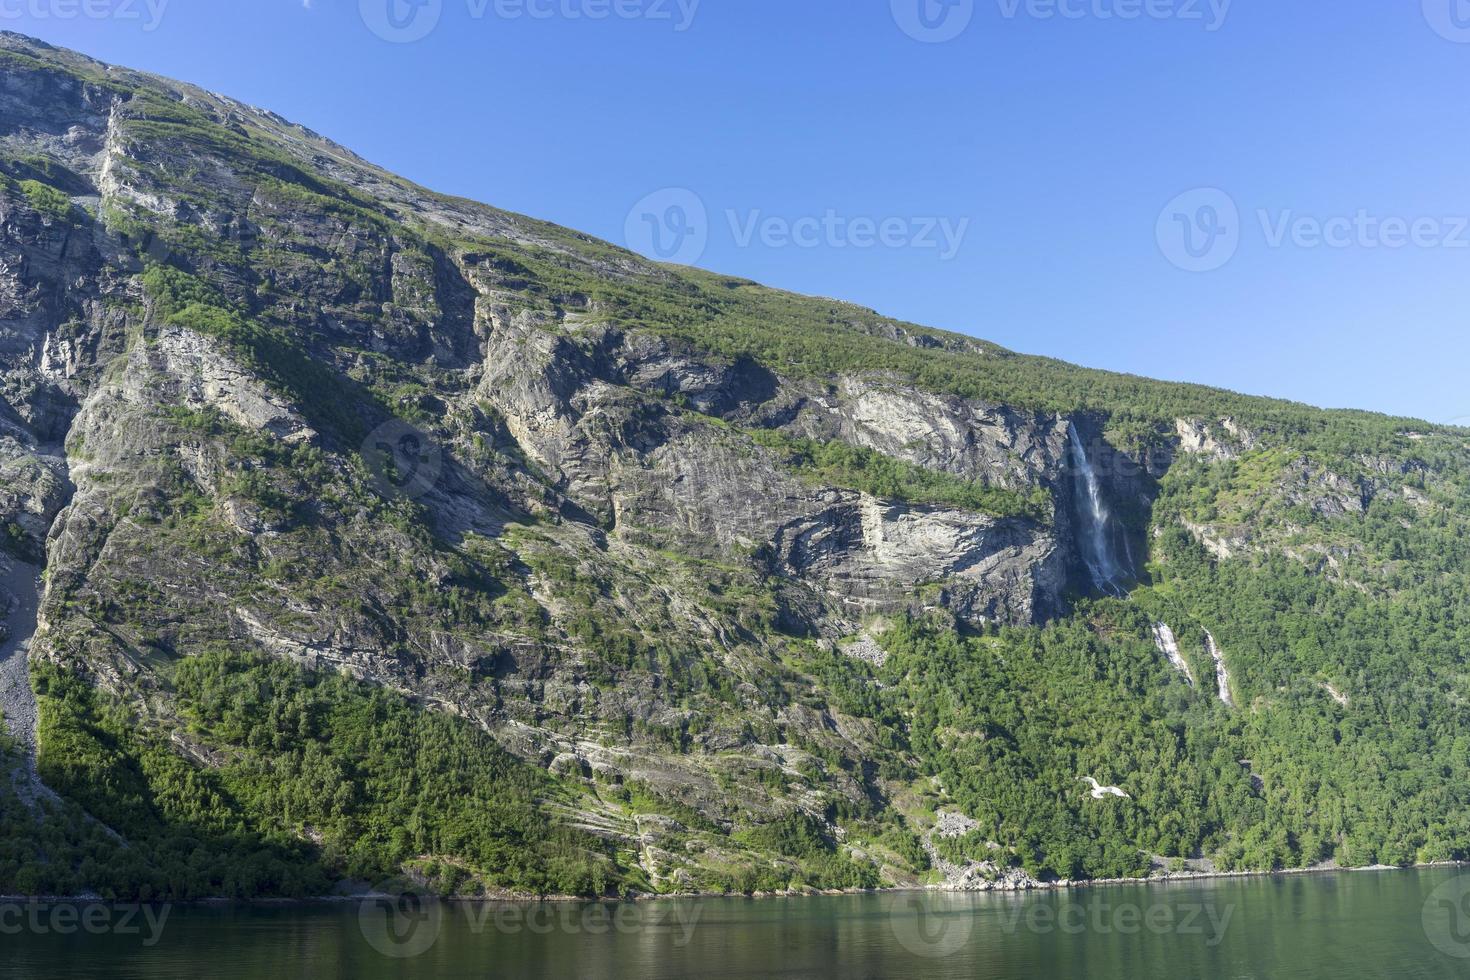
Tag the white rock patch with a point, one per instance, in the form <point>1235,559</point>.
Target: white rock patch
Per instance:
<point>952,824</point>
<point>867,649</point>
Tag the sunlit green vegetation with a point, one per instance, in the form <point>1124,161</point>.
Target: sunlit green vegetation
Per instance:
<point>318,778</point>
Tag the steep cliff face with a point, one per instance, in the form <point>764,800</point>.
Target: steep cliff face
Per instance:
<point>220,334</point>
<point>638,525</point>
<point>613,421</point>
<point>651,445</point>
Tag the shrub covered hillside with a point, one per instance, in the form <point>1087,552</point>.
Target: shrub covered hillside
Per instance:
<point>385,533</point>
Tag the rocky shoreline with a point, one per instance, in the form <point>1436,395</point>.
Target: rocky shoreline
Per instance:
<point>1029,885</point>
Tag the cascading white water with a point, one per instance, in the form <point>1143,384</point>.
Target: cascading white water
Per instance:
<point>1097,550</point>
<point>1222,675</point>
<point>1168,645</point>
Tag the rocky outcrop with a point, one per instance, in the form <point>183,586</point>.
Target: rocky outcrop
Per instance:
<point>592,411</point>
<point>866,649</point>
<point>18,594</point>
<point>1217,441</point>
<point>949,823</point>
<point>992,444</point>
<point>201,376</point>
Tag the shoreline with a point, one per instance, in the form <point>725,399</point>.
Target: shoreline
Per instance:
<point>511,899</point>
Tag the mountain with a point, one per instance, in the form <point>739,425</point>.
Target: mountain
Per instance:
<point>386,533</point>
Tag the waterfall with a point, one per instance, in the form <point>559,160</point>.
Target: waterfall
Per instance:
<point>1222,675</point>
<point>1168,645</point>
<point>1097,551</point>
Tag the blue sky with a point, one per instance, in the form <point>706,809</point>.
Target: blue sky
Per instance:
<point>1268,195</point>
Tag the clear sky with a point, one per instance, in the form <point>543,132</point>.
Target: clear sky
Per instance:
<point>1268,195</point>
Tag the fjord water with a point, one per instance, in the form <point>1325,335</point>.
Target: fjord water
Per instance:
<point>1402,924</point>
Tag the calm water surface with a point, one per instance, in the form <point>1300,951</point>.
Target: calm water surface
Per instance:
<point>1401,924</point>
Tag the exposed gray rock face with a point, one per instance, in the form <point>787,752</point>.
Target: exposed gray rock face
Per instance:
<point>994,444</point>
<point>19,598</point>
<point>948,823</point>
<point>1218,544</point>
<point>866,649</point>
<point>200,376</point>
<point>875,557</point>
<point>1329,494</point>
<point>1223,440</point>
<point>586,409</point>
<point>602,541</point>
